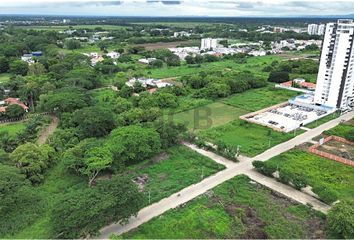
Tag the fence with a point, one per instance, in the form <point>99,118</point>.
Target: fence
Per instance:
<point>24,117</point>
<point>313,149</point>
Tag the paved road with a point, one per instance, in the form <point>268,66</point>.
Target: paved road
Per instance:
<point>233,169</point>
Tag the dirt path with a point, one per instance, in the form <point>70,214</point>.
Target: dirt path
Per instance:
<point>45,133</point>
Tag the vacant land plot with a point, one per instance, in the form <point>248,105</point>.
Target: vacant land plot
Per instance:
<point>251,138</point>
<point>12,128</point>
<point>340,149</point>
<point>255,64</point>
<point>160,45</point>
<point>237,209</point>
<point>165,174</point>
<point>326,177</point>
<point>172,171</point>
<point>205,117</point>
<point>256,99</point>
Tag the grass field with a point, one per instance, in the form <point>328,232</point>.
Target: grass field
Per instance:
<point>320,173</point>
<point>252,138</point>
<point>174,170</point>
<point>4,77</point>
<point>236,209</point>
<point>345,130</point>
<point>179,168</point>
<point>256,64</point>
<point>12,128</point>
<point>205,117</point>
<point>256,99</point>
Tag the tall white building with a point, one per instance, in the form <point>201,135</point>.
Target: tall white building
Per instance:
<point>208,43</point>
<point>321,29</point>
<point>315,29</point>
<point>312,29</point>
<point>335,80</point>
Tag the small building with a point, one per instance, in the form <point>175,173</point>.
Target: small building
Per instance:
<point>113,55</point>
<point>10,101</point>
<point>146,60</point>
<point>37,54</point>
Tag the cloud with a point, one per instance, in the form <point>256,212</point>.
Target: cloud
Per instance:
<point>165,2</point>
<point>234,8</point>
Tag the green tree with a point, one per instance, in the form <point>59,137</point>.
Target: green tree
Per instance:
<point>14,111</point>
<point>19,67</point>
<point>278,77</point>
<point>72,44</point>
<point>4,65</point>
<point>133,144</point>
<point>96,160</point>
<point>63,100</point>
<point>32,160</point>
<point>340,219</point>
<point>86,211</point>
<point>93,121</point>
<point>36,69</point>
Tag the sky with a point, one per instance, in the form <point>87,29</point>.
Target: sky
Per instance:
<point>226,8</point>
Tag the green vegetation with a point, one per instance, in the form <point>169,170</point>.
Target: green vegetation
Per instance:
<point>5,77</point>
<point>12,128</point>
<point>64,27</point>
<point>251,138</point>
<point>329,179</point>
<point>345,130</point>
<point>323,120</point>
<point>235,209</point>
<point>172,171</point>
<point>211,115</point>
<point>167,173</point>
<point>256,99</point>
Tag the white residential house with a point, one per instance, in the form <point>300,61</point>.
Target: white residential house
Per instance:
<point>335,80</point>
<point>113,55</point>
<point>146,60</point>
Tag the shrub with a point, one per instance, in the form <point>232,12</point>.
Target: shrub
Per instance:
<point>326,195</point>
<point>340,220</point>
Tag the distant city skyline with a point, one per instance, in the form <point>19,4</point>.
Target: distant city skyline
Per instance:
<point>230,8</point>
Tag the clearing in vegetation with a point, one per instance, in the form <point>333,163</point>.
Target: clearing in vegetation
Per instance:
<point>211,115</point>
<point>238,208</point>
<point>256,99</point>
<point>252,139</point>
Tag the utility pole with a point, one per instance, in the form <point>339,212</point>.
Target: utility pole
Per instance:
<point>149,196</point>
<point>202,176</point>
<point>269,143</point>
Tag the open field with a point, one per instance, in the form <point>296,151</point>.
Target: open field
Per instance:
<point>4,77</point>
<point>178,168</point>
<point>326,177</point>
<point>251,138</point>
<point>256,64</point>
<point>64,27</point>
<point>12,128</point>
<point>172,171</point>
<point>160,45</point>
<point>236,209</point>
<point>256,99</point>
<point>205,117</point>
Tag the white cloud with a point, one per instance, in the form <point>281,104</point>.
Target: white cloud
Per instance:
<point>179,7</point>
